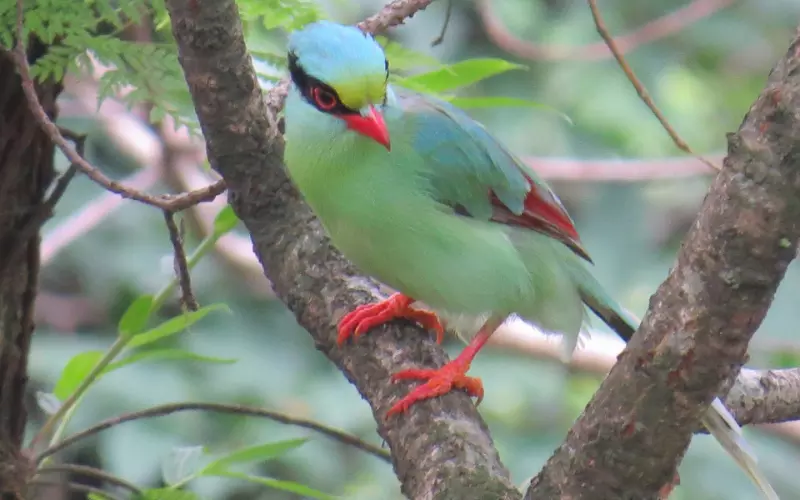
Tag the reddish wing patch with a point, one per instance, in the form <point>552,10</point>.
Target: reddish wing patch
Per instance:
<point>541,214</point>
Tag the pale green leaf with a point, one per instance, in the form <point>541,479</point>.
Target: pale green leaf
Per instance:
<point>225,221</point>
<point>175,325</point>
<point>98,496</point>
<point>75,372</point>
<point>135,318</point>
<point>270,56</point>
<point>165,354</point>
<point>277,484</point>
<point>251,454</point>
<point>167,494</point>
<point>460,74</point>
<point>502,101</point>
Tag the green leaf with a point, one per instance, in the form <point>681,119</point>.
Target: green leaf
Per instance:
<point>270,77</point>
<point>501,101</point>
<point>167,494</point>
<point>460,74</point>
<point>785,358</point>
<point>99,496</point>
<point>277,484</point>
<point>165,354</point>
<point>135,318</point>
<point>75,372</point>
<point>251,454</point>
<point>225,221</point>
<point>274,57</point>
<point>174,325</point>
<point>287,14</point>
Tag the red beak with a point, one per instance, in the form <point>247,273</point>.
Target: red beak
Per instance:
<point>371,126</point>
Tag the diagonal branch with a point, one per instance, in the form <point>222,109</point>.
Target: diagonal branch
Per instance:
<point>644,95</point>
<point>188,300</point>
<point>250,411</point>
<point>694,338</point>
<point>454,457</point>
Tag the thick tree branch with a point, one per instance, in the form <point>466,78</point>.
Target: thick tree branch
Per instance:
<point>442,448</point>
<point>26,172</point>
<point>765,396</point>
<point>694,338</point>
<point>757,396</point>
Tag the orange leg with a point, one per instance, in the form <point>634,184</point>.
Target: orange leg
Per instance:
<point>364,317</point>
<point>450,376</point>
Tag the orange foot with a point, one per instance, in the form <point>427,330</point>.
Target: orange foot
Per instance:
<point>438,382</point>
<point>398,305</point>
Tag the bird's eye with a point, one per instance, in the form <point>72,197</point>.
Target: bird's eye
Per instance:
<point>325,99</point>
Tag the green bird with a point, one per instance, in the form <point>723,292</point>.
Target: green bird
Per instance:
<point>421,197</point>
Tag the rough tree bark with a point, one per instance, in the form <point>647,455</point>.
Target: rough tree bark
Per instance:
<point>694,336</point>
<point>26,170</point>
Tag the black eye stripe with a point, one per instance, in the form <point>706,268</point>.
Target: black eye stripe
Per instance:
<point>307,83</point>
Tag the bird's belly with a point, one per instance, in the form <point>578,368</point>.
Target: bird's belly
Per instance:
<point>465,270</point>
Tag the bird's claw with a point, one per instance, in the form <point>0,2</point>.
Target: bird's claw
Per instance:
<point>437,382</point>
<point>368,316</point>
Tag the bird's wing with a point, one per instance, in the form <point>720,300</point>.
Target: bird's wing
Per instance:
<point>473,173</point>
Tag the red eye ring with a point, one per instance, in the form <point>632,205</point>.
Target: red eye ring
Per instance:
<point>325,99</point>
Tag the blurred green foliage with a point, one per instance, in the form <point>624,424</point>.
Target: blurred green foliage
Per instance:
<point>704,78</point>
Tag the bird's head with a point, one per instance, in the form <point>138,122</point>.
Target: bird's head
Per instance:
<point>342,71</point>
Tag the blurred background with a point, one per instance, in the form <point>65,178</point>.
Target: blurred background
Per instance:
<point>632,193</point>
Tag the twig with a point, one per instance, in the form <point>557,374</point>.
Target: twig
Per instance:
<point>83,488</point>
<point>188,299</point>
<point>182,173</point>
<point>392,14</point>
<point>654,30</point>
<point>90,471</point>
<point>158,411</point>
<point>173,203</point>
<point>637,84</point>
<point>439,39</point>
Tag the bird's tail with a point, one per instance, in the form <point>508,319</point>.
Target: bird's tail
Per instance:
<point>718,420</point>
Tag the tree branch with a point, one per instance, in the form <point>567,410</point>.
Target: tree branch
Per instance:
<point>757,396</point>
<point>250,411</point>
<point>694,338</point>
<point>184,277</point>
<point>765,396</point>
<point>454,456</point>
